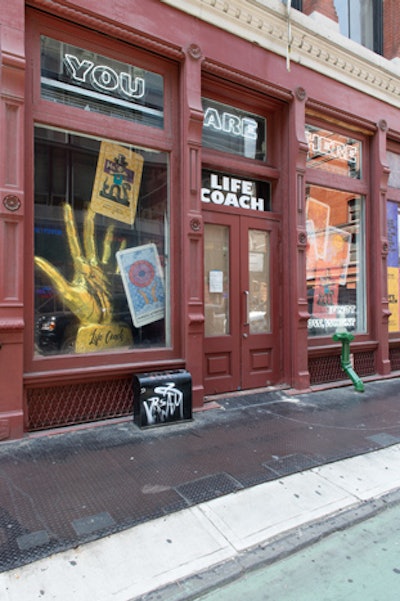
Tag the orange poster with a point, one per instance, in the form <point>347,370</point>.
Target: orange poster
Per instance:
<point>318,214</point>
<point>117,182</point>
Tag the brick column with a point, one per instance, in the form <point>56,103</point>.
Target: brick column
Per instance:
<point>324,7</point>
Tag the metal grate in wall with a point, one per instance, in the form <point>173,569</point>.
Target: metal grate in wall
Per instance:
<point>328,369</point>
<point>325,369</point>
<point>71,404</point>
<point>364,363</point>
<point>394,356</point>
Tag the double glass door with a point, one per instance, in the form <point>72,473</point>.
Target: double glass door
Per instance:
<point>240,288</point>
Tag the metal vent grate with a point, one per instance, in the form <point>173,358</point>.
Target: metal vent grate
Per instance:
<point>394,356</point>
<point>325,369</point>
<point>364,363</point>
<point>58,406</point>
<point>328,369</point>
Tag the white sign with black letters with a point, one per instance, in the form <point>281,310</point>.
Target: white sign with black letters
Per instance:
<point>234,192</point>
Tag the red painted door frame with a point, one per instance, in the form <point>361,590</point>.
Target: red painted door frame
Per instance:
<point>242,359</point>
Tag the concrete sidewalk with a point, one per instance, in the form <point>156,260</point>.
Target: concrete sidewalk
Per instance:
<point>180,556</point>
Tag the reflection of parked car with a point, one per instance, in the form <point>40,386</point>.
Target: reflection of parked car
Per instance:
<point>56,332</point>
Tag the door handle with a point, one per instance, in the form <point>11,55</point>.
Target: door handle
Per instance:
<point>246,305</point>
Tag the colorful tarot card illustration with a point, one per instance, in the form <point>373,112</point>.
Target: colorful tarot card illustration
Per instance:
<point>117,182</point>
<point>143,281</point>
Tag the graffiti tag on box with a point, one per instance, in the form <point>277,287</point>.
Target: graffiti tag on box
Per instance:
<point>166,405</point>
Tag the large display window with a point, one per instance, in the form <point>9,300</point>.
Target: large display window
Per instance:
<point>335,261</point>
<point>101,245</point>
<point>335,222</point>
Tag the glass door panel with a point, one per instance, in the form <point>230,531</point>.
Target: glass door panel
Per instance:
<point>216,285</point>
<point>258,300</point>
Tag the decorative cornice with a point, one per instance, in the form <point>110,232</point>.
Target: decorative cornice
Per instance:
<point>246,80</point>
<point>300,93</point>
<point>265,22</point>
<point>13,61</point>
<point>382,124</point>
<point>313,43</point>
<point>11,323</point>
<point>340,117</point>
<point>194,51</point>
<point>114,29</point>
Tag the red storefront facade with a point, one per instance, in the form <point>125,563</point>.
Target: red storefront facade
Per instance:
<point>176,196</point>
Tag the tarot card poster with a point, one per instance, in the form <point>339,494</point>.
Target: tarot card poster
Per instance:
<point>143,282</point>
<point>117,182</point>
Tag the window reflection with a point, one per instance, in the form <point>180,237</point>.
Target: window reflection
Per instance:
<point>216,284</point>
<point>361,21</point>
<point>259,293</point>
<point>335,261</point>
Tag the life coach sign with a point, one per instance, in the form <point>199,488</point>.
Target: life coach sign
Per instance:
<point>232,193</point>
<point>87,80</point>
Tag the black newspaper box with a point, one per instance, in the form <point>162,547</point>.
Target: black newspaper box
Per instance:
<point>162,398</point>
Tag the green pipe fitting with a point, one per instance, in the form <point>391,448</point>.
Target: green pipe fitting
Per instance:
<point>345,338</point>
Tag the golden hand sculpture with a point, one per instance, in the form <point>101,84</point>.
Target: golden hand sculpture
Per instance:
<point>88,294</point>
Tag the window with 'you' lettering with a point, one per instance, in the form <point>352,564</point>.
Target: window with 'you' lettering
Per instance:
<point>99,84</point>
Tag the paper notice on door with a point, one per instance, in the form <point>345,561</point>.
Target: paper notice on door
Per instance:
<point>216,280</point>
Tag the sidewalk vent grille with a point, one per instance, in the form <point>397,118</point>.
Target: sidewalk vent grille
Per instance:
<point>71,404</point>
<point>328,369</point>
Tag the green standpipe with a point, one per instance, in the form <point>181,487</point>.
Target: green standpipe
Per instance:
<point>345,338</point>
